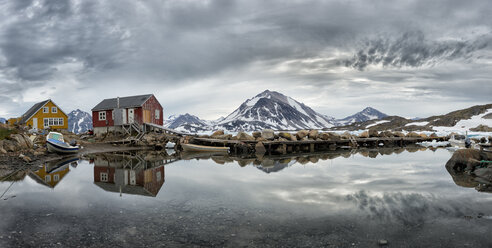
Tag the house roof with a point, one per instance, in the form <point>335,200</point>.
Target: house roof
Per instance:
<point>125,102</point>
<point>33,110</point>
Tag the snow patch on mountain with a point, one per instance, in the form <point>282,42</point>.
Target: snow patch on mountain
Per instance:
<point>273,110</point>
<point>79,121</point>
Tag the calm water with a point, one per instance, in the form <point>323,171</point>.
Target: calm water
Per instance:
<point>406,198</point>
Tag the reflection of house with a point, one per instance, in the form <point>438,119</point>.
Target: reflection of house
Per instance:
<point>129,175</point>
<point>45,114</point>
<point>52,172</point>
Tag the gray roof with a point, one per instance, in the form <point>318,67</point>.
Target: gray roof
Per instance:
<point>33,110</point>
<point>125,102</point>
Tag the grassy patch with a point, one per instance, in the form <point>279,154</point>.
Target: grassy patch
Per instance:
<point>4,132</point>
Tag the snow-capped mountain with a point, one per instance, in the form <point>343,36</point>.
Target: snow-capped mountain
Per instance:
<point>274,110</point>
<point>2,120</point>
<point>364,115</point>
<point>79,121</point>
<point>187,123</point>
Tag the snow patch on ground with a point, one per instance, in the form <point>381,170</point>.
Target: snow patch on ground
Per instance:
<point>418,123</point>
<point>377,123</point>
<point>464,125</point>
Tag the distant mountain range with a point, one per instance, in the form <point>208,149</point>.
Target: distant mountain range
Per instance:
<point>477,118</point>
<point>272,110</point>
<point>79,121</point>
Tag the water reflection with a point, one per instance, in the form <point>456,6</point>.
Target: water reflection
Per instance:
<point>276,163</point>
<point>51,173</point>
<point>129,173</point>
<point>339,197</point>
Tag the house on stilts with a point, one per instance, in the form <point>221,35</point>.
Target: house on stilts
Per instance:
<point>126,114</point>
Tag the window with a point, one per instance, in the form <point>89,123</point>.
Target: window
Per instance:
<point>102,115</point>
<point>54,110</point>
<point>47,178</point>
<point>46,110</point>
<point>158,176</point>
<point>104,176</point>
<point>157,114</point>
<point>53,122</point>
<point>56,177</point>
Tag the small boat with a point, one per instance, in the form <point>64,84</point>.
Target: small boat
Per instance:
<point>199,148</point>
<point>55,143</point>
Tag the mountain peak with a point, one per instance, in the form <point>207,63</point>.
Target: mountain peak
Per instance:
<point>366,114</point>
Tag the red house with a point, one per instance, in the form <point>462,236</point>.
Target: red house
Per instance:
<point>115,113</point>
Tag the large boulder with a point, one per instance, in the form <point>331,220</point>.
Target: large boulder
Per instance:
<point>256,134</point>
<point>260,148</point>
<point>345,135</point>
<point>373,133</point>
<point>387,134</point>
<point>286,136</point>
<point>464,160</point>
<point>244,136</point>
<point>313,134</point>
<point>324,136</point>
<point>364,134</point>
<point>19,141</point>
<point>217,133</point>
<point>413,135</point>
<point>268,134</point>
<point>301,134</point>
<point>399,134</point>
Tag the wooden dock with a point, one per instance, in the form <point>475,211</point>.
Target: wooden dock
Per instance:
<point>285,147</point>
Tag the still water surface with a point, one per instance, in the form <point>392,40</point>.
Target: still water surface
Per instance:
<point>406,198</point>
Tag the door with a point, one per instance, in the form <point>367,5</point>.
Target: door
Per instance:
<point>146,116</point>
<point>123,111</point>
<point>131,116</point>
<point>35,123</point>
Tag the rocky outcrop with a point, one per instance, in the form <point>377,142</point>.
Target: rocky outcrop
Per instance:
<point>471,168</point>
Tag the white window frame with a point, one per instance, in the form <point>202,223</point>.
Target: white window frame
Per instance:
<point>158,176</point>
<point>157,114</point>
<point>56,177</point>
<point>103,176</point>
<point>54,110</point>
<point>102,115</point>
<point>60,121</point>
<point>46,122</point>
<point>46,109</point>
<point>47,178</point>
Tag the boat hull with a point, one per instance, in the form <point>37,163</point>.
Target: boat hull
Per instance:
<point>52,147</point>
<point>199,148</point>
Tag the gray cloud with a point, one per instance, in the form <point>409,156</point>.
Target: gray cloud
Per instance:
<point>228,51</point>
<point>413,49</point>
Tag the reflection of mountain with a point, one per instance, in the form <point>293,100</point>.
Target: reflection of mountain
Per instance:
<point>269,165</point>
<point>129,175</point>
<point>52,172</point>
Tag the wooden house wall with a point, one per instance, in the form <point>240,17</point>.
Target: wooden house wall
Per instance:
<point>40,117</point>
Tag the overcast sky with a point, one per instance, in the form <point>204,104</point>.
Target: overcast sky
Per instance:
<point>408,58</point>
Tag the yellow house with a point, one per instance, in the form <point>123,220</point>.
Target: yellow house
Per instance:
<point>45,114</point>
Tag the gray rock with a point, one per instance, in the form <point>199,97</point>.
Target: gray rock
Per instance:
<point>267,134</point>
